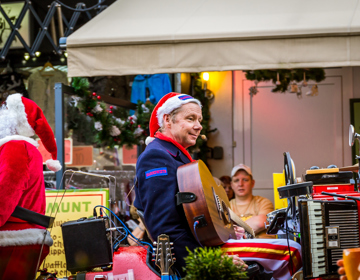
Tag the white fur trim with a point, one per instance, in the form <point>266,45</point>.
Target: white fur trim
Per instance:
<point>148,140</point>
<point>171,104</point>
<point>19,138</point>
<point>53,165</point>
<point>14,103</point>
<point>30,236</point>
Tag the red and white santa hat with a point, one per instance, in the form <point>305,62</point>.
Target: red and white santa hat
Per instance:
<point>31,120</point>
<point>166,105</point>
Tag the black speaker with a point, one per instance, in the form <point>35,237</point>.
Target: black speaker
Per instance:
<point>86,244</point>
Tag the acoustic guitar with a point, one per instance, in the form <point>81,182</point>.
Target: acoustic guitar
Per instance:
<point>211,207</point>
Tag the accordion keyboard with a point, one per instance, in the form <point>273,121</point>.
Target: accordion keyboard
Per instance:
<point>317,244</point>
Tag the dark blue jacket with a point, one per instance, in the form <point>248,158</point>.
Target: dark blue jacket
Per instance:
<point>155,190</point>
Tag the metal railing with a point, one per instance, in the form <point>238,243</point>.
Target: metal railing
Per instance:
<point>47,26</point>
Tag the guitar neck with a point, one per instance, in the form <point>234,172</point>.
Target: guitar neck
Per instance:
<point>235,218</point>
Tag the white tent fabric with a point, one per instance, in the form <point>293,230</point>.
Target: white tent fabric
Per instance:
<point>169,36</point>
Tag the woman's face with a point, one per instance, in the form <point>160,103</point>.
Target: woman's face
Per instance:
<point>229,191</point>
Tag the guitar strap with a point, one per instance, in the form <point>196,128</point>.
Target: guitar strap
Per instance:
<point>185,197</point>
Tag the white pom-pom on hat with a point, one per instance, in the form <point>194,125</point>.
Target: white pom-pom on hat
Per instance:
<point>53,165</point>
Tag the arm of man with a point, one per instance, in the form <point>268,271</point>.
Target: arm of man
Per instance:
<point>257,222</point>
<point>155,193</point>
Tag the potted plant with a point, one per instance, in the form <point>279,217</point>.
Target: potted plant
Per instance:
<point>211,263</point>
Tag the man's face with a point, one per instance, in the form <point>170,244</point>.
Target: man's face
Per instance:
<point>186,127</point>
<point>242,184</point>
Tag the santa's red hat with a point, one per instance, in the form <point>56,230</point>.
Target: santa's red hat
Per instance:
<point>165,106</point>
<point>31,120</point>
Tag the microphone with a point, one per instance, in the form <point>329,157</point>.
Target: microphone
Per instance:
<point>203,137</point>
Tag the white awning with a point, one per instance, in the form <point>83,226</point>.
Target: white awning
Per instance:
<point>171,36</point>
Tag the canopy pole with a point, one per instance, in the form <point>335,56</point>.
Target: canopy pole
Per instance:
<point>177,82</point>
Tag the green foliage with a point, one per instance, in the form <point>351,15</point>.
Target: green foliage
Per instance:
<point>96,120</point>
<point>82,125</point>
<point>286,76</point>
<point>211,263</point>
<point>110,125</point>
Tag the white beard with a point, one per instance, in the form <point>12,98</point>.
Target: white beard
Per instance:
<point>8,122</point>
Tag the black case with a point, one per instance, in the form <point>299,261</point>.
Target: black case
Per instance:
<point>341,177</point>
<point>86,244</point>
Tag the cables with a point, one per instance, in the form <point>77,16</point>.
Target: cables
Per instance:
<point>127,231</point>
<point>197,239</point>
<point>121,233</point>
<point>80,10</point>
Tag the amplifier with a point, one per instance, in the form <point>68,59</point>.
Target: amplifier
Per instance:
<point>86,244</point>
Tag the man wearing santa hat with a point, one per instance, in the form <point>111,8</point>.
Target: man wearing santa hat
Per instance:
<point>23,244</point>
<point>175,124</point>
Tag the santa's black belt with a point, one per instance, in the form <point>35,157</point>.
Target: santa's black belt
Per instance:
<point>33,217</point>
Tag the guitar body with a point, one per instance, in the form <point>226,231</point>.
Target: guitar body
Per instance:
<point>210,207</point>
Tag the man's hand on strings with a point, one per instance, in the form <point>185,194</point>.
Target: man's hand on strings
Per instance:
<point>240,232</point>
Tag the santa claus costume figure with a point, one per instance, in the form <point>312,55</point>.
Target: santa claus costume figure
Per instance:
<point>22,184</point>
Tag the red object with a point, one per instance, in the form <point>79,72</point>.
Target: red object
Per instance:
<point>110,112</point>
<point>98,97</point>
<point>19,262</point>
<point>154,123</point>
<point>328,197</point>
<point>32,121</point>
<point>129,259</point>
<point>94,93</point>
<point>111,107</point>
<point>333,188</point>
<point>21,184</point>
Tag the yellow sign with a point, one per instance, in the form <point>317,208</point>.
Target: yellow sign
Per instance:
<point>73,205</point>
<point>279,181</point>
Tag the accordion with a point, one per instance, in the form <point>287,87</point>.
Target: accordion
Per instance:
<point>326,227</point>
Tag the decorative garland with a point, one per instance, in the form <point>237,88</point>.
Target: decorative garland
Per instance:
<point>112,125</point>
<point>282,78</point>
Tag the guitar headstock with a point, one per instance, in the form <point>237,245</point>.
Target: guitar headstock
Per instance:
<point>163,256</point>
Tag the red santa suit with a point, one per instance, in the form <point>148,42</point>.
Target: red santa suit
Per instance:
<point>22,184</point>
